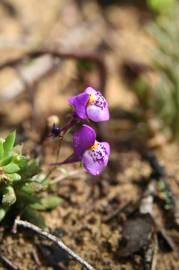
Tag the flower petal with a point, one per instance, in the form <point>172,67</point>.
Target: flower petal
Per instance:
<point>90,91</point>
<point>97,114</point>
<point>91,161</point>
<point>79,103</point>
<point>107,148</point>
<point>94,168</point>
<point>97,110</point>
<point>83,139</point>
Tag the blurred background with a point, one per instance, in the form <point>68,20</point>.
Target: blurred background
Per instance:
<point>128,49</point>
<point>136,40</point>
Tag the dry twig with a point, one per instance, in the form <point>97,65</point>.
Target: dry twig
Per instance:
<point>89,56</point>
<point>79,173</point>
<point>9,266</point>
<point>31,74</point>
<point>150,256</point>
<point>26,225</point>
<point>117,211</point>
<point>159,175</point>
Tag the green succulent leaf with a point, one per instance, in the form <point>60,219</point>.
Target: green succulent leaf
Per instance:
<point>27,198</point>
<point>39,178</point>
<point>14,177</point>
<point>9,196</point>
<point>31,188</point>
<point>47,203</point>
<point>1,148</point>
<point>9,143</point>
<point>5,161</point>
<point>34,217</point>
<point>22,162</point>
<point>3,211</point>
<point>22,185</point>
<point>11,168</point>
<point>30,169</point>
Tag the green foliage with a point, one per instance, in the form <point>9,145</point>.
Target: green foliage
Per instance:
<point>161,96</point>
<point>23,187</point>
<point>85,65</point>
<point>49,202</point>
<point>9,143</point>
<point>161,6</point>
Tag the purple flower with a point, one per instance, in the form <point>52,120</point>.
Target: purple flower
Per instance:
<point>94,155</point>
<point>90,105</point>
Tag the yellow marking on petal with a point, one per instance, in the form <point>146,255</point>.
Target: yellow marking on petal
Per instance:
<point>91,100</point>
<point>94,146</point>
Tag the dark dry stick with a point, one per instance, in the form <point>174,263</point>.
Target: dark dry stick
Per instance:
<point>9,266</point>
<point>150,255</point>
<point>54,239</point>
<point>159,175</point>
<point>89,56</point>
<point>93,57</point>
<point>146,208</point>
<point>36,257</point>
<point>167,238</point>
<point>117,211</point>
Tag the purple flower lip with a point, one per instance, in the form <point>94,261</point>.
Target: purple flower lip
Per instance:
<point>90,105</point>
<point>83,139</point>
<point>94,155</point>
<point>95,159</point>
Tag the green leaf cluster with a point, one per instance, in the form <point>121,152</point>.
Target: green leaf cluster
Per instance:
<point>23,187</point>
<point>162,6</point>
